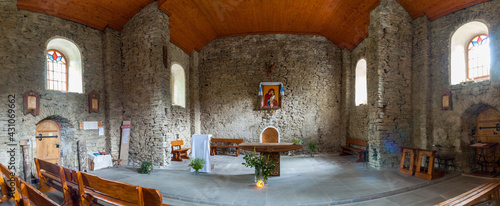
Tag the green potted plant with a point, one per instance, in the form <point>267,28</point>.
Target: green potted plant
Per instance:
<point>146,167</point>
<point>312,148</point>
<point>298,142</point>
<point>197,164</point>
<point>252,160</point>
<point>263,168</point>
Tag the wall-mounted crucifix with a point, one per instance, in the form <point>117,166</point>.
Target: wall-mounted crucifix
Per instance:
<point>269,67</point>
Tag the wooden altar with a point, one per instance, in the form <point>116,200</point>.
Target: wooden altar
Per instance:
<point>271,150</point>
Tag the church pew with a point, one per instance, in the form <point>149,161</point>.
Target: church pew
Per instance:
<point>32,196</point>
<point>92,188</point>
<point>54,176</point>
<point>8,193</point>
<point>485,191</point>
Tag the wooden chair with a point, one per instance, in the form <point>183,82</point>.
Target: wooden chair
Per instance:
<point>270,135</point>
<point>6,176</point>
<point>54,176</point>
<point>32,196</point>
<point>92,188</point>
<point>179,153</point>
<point>116,160</point>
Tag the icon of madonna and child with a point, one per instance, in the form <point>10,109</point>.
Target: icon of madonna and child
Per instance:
<point>271,98</point>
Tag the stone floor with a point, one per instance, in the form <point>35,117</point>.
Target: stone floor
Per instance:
<point>326,179</point>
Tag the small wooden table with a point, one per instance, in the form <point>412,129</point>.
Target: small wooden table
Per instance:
<point>486,156</point>
<point>271,150</point>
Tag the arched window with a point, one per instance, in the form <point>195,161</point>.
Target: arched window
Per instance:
<point>470,53</point>
<point>73,62</point>
<point>178,86</point>
<point>360,85</point>
<point>478,58</point>
<point>57,71</point>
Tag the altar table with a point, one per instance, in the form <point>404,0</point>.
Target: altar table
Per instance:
<point>271,150</point>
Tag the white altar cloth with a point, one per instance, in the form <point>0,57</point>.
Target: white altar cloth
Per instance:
<point>200,147</point>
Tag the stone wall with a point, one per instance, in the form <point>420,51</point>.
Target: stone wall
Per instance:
<point>113,85</point>
<point>454,127</point>
<point>390,116</point>
<point>358,115</point>
<point>146,86</point>
<point>23,37</point>
<point>147,99</point>
<point>421,87</point>
<point>309,68</point>
<point>194,93</point>
<point>180,117</point>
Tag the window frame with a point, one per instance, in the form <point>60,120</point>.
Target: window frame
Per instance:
<point>467,60</point>
<point>47,69</point>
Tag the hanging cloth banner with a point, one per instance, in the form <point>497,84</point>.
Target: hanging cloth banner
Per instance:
<point>282,91</point>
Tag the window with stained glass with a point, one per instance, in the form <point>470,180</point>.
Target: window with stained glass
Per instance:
<point>57,71</point>
<point>478,58</point>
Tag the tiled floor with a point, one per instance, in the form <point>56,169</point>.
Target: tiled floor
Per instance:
<point>321,180</point>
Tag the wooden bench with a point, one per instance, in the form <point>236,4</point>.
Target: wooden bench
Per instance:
<point>9,193</point>
<point>178,153</point>
<point>473,196</point>
<point>350,150</point>
<point>216,143</point>
<point>32,196</point>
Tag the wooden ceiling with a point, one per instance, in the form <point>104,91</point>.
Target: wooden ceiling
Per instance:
<point>194,23</point>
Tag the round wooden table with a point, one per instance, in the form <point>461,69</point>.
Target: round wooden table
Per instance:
<point>271,151</point>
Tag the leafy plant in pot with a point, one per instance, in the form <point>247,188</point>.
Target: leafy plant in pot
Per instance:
<point>146,167</point>
<point>313,148</point>
<point>263,167</point>
<point>197,164</point>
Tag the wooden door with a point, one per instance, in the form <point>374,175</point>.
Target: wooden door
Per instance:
<point>488,127</point>
<point>48,149</point>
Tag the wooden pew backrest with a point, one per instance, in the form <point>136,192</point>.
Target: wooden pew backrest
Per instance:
<point>32,196</point>
<point>48,172</point>
<point>112,189</point>
<point>177,143</point>
<point>359,142</point>
<point>5,178</point>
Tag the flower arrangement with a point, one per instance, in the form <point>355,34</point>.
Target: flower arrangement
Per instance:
<point>197,164</point>
<point>263,167</point>
<point>146,167</point>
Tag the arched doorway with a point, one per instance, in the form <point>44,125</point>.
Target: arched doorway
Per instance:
<point>488,126</point>
<point>48,149</point>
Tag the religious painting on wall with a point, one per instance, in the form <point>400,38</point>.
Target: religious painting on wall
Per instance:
<point>271,94</point>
